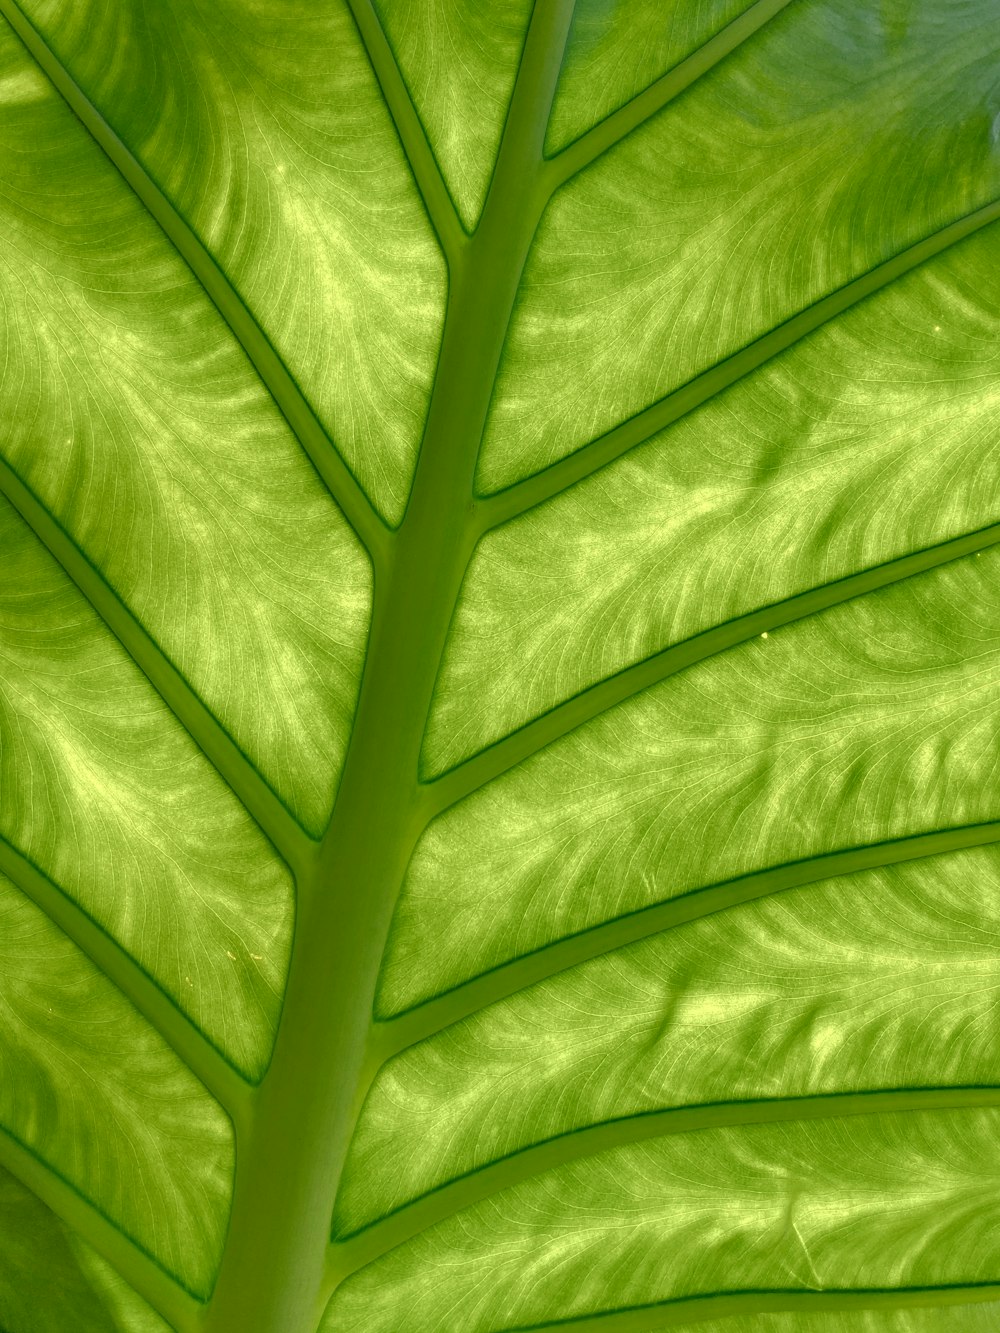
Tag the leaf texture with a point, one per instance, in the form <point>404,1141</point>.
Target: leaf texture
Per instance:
<point>697,207</point>
<point>284,162</point>
<point>459,61</point>
<point>499,667</point>
<point>81,1291</point>
<point>97,1093</point>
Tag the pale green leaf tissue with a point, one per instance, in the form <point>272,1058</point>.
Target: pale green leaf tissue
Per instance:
<point>499,666</point>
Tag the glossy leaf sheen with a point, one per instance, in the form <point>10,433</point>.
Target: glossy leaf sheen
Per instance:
<point>499,666</point>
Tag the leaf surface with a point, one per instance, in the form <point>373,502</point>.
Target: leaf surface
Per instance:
<point>459,61</point>
<point>499,668</point>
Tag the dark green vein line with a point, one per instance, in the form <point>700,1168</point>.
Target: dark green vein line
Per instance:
<point>579,154</point>
<point>364,1247</point>
<point>394,1035</point>
<point>263,805</point>
<point>139,1269</point>
<point>273,373</point>
<point>590,703</point>
<point>419,154</point>
<point>208,1064</point>
<point>559,477</point>
<point>697,1309</point>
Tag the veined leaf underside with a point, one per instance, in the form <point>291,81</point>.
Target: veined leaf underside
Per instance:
<point>498,690</point>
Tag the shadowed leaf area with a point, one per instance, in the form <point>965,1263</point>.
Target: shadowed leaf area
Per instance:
<point>499,666</point>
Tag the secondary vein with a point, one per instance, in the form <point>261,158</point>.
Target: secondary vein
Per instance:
<point>366,1246</point>
<point>616,127</point>
<point>719,1305</point>
<point>395,1035</point>
<point>419,154</point>
<point>139,1270</point>
<point>292,843</point>
<point>559,477</point>
<point>348,494</point>
<point>225,1084</point>
<point>505,754</point>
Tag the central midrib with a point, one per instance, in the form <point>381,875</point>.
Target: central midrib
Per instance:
<point>289,1161</point>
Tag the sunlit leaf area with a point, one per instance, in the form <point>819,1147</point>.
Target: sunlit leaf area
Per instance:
<point>499,666</point>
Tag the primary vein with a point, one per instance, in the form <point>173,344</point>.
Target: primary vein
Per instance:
<point>287,1176</point>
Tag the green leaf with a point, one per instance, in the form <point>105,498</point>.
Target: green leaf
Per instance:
<point>95,1091</point>
<point>80,1289</point>
<point>459,58</point>
<point>499,666</point>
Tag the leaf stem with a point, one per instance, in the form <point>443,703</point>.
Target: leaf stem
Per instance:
<point>357,508</point>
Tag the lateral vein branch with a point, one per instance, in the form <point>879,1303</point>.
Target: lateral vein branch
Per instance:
<point>412,1219</point>
<point>273,373</point>
<point>187,1041</point>
<point>499,758</point>
<point>396,1034</point>
<point>153,1283</point>
<point>251,790</point>
<point>502,506</point>
<point>720,1305</point>
<point>578,155</point>
<point>419,154</point>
